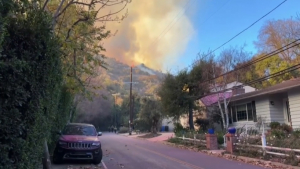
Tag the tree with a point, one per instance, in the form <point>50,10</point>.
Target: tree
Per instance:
<point>277,33</point>
<point>81,28</point>
<point>33,98</point>
<point>273,65</point>
<point>179,93</point>
<point>218,70</point>
<point>151,111</point>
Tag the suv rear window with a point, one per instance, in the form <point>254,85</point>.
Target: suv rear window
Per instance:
<point>79,130</point>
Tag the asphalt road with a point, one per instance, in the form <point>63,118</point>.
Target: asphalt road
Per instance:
<point>132,153</point>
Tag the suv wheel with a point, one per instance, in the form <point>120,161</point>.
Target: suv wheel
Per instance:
<point>97,160</point>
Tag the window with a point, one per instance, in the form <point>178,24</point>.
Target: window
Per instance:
<point>244,112</point>
<point>79,130</point>
<point>249,111</point>
<point>234,114</point>
<point>241,112</point>
<point>254,111</point>
<point>288,111</point>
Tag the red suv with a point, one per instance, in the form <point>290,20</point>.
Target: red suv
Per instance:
<point>78,141</point>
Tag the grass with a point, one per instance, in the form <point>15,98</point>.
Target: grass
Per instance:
<point>187,144</point>
<point>149,135</point>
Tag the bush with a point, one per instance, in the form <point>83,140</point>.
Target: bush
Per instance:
<point>278,133</point>
<point>33,104</point>
<point>274,125</point>
<point>123,130</point>
<point>220,137</point>
<point>178,127</point>
<point>179,130</point>
<point>203,123</point>
<point>142,125</point>
<point>175,140</point>
<point>286,128</point>
<point>296,133</point>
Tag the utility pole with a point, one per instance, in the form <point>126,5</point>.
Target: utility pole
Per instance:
<point>130,103</point>
<point>115,103</point>
<point>132,111</point>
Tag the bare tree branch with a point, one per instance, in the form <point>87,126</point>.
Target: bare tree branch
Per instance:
<point>56,13</point>
<point>74,24</point>
<point>45,4</point>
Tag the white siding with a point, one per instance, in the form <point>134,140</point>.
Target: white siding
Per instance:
<point>249,89</point>
<point>168,122</point>
<point>276,110</point>
<point>262,106</point>
<point>244,124</point>
<point>294,101</point>
<point>233,84</point>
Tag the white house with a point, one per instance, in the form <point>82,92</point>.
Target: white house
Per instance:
<point>230,87</point>
<point>168,122</point>
<point>280,103</point>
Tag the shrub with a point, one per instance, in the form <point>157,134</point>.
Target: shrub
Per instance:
<point>178,127</point>
<point>33,103</point>
<point>286,128</point>
<point>296,133</point>
<point>190,134</point>
<point>179,130</point>
<point>143,125</point>
<point>175,140</point>
<point>278,133</point>
<point>123,130</point>
<point>203,123</point>
<point>220,137</point>
<point>274,125</point>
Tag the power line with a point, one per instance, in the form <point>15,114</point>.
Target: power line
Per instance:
<point>273,53</point>
<point>215,12</point>
<point>279,73</point>
<point>247,27</point>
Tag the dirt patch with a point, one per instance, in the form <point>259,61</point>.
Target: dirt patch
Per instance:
<point>150,135</point>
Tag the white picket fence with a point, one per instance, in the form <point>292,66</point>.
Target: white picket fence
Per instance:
<point>193,140</point>
<point>264,149</point>
<point>267,149</point>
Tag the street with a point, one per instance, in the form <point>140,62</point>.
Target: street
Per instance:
<point>131,153</point>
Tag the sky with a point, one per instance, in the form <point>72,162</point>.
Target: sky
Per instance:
<point>167,34</point>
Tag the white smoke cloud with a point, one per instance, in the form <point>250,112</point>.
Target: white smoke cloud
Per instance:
<point>136,41</point>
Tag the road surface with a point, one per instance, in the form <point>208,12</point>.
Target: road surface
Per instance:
<point>132,153</point>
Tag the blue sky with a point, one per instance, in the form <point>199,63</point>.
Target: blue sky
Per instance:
<point>216,21</point>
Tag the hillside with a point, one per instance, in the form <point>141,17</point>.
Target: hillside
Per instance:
<point>116,79</point>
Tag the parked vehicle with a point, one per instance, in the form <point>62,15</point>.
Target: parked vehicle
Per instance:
<point>78,141</point>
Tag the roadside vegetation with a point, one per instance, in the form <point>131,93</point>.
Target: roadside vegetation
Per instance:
<point>48,53</point>
<point>279,135</point>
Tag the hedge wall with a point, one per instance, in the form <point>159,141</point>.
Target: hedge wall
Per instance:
<point>33,101</point>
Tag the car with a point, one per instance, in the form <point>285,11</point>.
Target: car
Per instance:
<point>78,141</point>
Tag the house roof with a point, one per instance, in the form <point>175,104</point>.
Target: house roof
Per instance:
<point>212,99</point>
<point>284,86</point>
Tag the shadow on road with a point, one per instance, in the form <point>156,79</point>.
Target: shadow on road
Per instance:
<point>76,164</point>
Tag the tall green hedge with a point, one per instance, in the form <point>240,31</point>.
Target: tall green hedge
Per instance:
<point>33,101</point>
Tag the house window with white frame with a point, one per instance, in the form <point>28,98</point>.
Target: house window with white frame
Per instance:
<point>243,112</point>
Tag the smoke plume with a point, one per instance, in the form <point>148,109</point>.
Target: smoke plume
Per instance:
<point>138,38</point>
